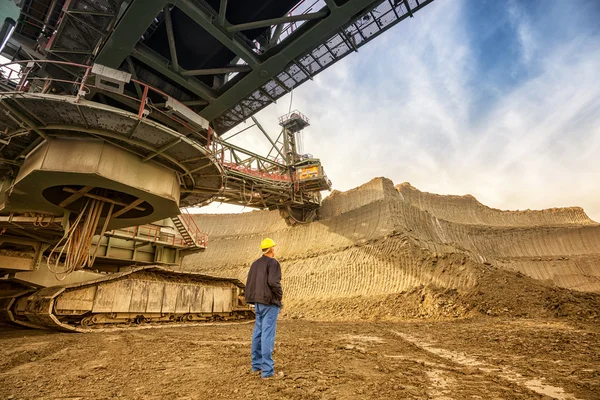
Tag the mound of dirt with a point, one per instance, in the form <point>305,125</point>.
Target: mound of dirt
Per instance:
<point>467,210</point>
<point>385,252</point>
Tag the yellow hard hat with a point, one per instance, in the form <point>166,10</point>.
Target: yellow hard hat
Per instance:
<point>267,244</point>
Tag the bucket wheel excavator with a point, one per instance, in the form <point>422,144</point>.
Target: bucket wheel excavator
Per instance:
<point>112,122</point>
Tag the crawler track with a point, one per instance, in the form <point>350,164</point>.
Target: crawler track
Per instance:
<point>144,295</point>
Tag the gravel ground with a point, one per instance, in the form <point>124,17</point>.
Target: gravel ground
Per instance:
<point>484,358</point>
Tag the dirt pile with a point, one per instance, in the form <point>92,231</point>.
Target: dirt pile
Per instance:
<point>385,252</point>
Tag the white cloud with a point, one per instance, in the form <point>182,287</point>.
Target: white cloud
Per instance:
<point>407,107</point>
<point>524,30</point>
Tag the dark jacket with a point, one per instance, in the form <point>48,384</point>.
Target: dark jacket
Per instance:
<point>264,282</point>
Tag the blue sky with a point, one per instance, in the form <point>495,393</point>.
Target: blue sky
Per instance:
<point>499,99</point>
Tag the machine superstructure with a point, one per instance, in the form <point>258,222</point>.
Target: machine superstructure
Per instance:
<point>113,115</point>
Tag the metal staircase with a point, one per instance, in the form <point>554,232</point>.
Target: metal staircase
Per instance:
<point>189,231</point>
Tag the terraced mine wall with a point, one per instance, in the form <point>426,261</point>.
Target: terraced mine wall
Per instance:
<point>383,251</point>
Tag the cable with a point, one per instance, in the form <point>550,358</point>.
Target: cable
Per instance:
<point>68,236</point>
<point>77,241</point>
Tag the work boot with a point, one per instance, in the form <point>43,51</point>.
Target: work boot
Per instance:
<point>278,375</point>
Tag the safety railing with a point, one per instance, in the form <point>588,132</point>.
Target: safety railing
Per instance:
<point>149,233</point>
<point>199,237</point>
<point>303,7</point>
<point>293,115</point>
<point>39,17</point>
<point>254,165</point>
<point>20,77</point>
<point>258,173</point>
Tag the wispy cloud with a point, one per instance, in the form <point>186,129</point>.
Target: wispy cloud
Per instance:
<point>497,99</point>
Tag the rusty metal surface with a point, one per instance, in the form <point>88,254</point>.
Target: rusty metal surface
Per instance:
<point>142,292</point>
<point>63,116</point>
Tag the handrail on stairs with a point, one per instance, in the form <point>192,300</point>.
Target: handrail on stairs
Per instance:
<point>200,238</point>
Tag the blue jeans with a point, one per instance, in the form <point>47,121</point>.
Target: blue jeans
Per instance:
<point>263,338</point>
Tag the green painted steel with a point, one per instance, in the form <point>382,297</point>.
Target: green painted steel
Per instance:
<point>150,58</point>
<point>8,9</point>
<point>207,22</point>
<point>237,100</point>
<point>131,27</point>
<point>298,46</point>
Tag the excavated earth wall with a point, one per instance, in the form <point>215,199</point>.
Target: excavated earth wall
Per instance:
<point>379,251</point>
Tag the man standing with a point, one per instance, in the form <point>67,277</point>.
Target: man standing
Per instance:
<point>263,289</point>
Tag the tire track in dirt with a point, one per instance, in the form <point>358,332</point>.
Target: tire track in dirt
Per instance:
<point>16,354</point>
<point>507,373</point>
<point>421,374</point>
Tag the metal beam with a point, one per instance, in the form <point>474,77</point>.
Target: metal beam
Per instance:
<point>331,4</point>
<point>276,21</point>
<point>171,38</point>
<point>85,12</point>
<point>11,162</point>
<point>268,137</point>
<point>29,148</point>
<point>23,118</point>
<point>408,8</point>
<point>197,169</point>
<point>238,132</point>
<point>102,198</point>
<point>135,105</point>
<point>206,21</point>
<point>276,34</point>
<point>83,22</point>
<point>295,46</point>
<point>303,69</point>
<point>138,88</point>
<point>229,146</point>
<point>237,159</point>
<point>162,149</point>
<point>132,25</point>
<point>157,62</point>
<point>191,103</point>
<point>222,12</point>
<point>276,141</point>
<point>214,71</point>
<point>127,208</point>
<point>76,195</point>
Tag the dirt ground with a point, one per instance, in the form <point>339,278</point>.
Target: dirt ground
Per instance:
<point>484,358</point>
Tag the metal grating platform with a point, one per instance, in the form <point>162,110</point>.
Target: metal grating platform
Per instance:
<point>361,30</point>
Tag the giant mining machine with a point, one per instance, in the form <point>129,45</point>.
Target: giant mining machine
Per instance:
<point>112,120</point>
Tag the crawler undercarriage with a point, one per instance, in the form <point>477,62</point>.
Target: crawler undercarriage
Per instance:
<point>143,295</point>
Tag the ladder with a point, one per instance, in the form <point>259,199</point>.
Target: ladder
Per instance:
<point>189,231</point>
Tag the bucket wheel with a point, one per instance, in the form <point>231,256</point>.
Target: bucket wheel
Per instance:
<point>298,215</point>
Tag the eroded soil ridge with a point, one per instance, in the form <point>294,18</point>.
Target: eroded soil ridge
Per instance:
<point>379,251</point>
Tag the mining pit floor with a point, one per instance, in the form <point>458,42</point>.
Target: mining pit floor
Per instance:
<point>392,293</point>
<point>481,358</point>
